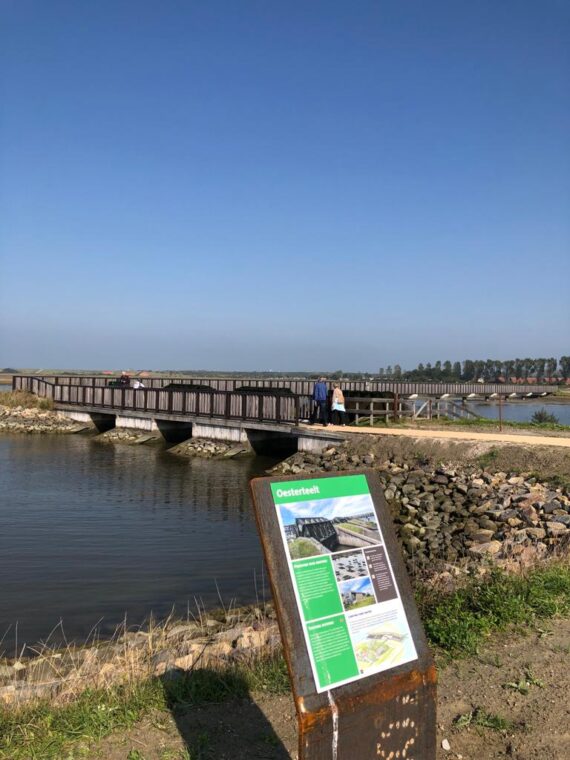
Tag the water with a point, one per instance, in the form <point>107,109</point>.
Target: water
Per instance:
<point>90,532</point>
<point>522,411</point>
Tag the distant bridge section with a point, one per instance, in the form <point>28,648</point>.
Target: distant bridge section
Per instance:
<point>304,387</point>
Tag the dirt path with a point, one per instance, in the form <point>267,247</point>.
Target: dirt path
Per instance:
<point>264,728</point>
<point>458,435</point>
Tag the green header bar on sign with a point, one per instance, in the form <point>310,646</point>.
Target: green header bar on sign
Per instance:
<point>319,488</point>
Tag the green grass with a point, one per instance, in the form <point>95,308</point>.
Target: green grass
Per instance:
<point>488,458</point>
<point>456,625</point>
<point>44,732</point>
<point>468,422</point>
<point>300,548</point>
<point>353,527</point>
<point>483,719</point>
<point>361,603</point>
<point>555,481</point>
<point>486,422</point>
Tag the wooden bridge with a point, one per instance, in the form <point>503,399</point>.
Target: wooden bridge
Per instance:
<point>304,387</point>
<point>267,413</point>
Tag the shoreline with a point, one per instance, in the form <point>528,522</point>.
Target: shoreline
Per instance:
<point>458,506</point>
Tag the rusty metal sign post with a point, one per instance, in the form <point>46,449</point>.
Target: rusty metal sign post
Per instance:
<point>362,676</point>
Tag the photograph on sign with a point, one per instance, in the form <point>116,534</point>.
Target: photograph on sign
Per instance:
<point>353,618</point>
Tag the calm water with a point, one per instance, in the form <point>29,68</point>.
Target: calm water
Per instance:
<point>89,532</point>
<point>522,411</point>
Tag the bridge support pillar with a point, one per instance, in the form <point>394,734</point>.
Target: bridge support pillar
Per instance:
<point>312,443</point>
<point>136,423</point>
<point>219,432</point>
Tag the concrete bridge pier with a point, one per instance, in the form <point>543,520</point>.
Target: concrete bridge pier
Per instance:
<point>276,440</point>
<point>219,432</point>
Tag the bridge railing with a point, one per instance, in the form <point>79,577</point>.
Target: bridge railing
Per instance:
<point>37,385</point>
<point>305,387</point>
<point>365,409</point>
<point>260,407</point>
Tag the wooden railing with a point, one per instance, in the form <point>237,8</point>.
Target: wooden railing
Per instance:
<point>365,409</point>
<point>32,384</point>
<point>258,407</point>
<point>305,387</point>
<point>265,405</point>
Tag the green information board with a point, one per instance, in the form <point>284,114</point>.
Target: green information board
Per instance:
<point>353,618</point>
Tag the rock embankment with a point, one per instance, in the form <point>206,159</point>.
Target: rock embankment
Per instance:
<point>459,515</point>
<point>161,652</point>
<point>19,419</point>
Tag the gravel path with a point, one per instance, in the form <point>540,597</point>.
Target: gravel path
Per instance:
<point>458,435</point>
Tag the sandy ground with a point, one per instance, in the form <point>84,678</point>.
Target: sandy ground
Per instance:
<point>457,435</point>
<point>264,727</point>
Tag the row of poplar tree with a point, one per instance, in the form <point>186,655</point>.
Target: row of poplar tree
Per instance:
<point>542,370</point>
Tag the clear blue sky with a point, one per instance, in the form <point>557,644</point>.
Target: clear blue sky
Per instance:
<point>283,185</point>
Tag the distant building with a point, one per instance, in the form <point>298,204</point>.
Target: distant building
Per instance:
<point>352,597</point>
<point>318,528</point>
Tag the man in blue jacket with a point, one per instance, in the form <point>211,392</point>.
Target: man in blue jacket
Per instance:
<point>320,394</point>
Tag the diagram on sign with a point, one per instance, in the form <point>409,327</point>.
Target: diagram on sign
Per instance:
<point>353,617</point>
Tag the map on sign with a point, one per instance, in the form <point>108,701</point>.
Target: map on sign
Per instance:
<point>352,614</point>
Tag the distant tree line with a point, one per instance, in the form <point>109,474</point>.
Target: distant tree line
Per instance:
<point>491,370</point>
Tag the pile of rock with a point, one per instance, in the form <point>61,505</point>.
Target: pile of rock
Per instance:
<point>165,652</point>
<point>210,449</point>
<point>20,419</point>
<point>127,435</point>
<point>454,515</point>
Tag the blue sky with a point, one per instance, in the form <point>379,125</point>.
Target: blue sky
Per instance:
<point>343,506</point>
<point>278,185</point>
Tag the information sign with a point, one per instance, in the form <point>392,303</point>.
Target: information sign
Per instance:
<point>353,618</point>
<point>361,672</point>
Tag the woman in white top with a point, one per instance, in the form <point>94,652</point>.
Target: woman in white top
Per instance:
<point>338,410</point>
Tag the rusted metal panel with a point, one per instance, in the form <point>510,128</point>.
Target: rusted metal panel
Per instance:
<point>391,714</point>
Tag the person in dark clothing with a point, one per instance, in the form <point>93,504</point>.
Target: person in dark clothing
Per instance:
<point>320,410</point>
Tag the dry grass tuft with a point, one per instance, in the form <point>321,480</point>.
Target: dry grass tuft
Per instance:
<point>26,400</point>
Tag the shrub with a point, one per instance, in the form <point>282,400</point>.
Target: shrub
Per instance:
<point>542,417</point>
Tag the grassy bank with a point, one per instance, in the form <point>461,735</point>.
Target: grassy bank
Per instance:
<point>456,624</point>
<point>481,423</point>
<point>26,400</point>
<point>486,423</point>
<point>47,733</point>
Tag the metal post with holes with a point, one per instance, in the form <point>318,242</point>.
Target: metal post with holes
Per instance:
<point>389,713</point>
<point>500,413</point>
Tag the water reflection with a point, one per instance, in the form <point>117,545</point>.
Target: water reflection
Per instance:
<point>93,531</point>
<point>522,411</point>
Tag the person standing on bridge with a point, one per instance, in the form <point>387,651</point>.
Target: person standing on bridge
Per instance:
<point>337,406</point>
<point>320,393</point>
